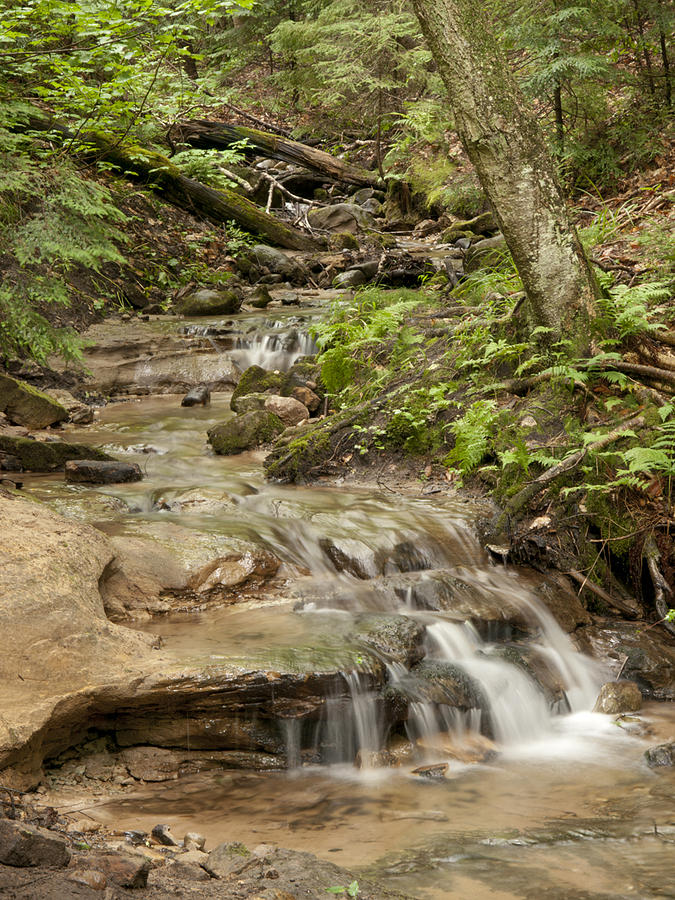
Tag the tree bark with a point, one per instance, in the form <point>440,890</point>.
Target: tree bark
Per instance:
<point>163,177</point>
<point>503,141</point>
<point>216,135</point>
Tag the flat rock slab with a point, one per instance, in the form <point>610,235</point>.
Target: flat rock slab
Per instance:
<point>95,472</point>
<point>46,456</point>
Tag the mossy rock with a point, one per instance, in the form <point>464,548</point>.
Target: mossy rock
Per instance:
<point>397,638</point>
<point>47,456</point>
<point>301,372</point>
<point>292,461</point>
<point>207,302</point>
<point>256,380</point>
<point>343,240</point>
<point>248,403</point>
<point>245,432</point>
<point>25,405</point>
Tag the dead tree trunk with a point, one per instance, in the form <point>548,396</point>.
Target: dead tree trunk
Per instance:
<point>163,177</point>
<point>216,135</point>
<point>508,150</point>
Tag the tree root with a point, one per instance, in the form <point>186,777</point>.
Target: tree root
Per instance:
<point>583,580</point>
<point>651,554</point>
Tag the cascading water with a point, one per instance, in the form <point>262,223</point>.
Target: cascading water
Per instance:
<point>272,351</point>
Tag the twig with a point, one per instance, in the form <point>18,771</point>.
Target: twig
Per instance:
<point>651,553</point>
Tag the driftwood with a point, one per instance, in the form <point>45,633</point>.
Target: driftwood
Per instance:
<point>217,135</point>
<point>163,177</point>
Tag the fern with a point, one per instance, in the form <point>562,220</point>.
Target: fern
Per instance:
<point>472,435</point>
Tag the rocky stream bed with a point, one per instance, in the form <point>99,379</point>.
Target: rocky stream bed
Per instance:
<point>334,668</point>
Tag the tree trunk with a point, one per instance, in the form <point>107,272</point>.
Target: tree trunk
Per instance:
<point>216,135</point>
<point>504,143</point>
<point>160,174</point>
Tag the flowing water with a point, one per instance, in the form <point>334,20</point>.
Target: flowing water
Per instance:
<point>541,797</point>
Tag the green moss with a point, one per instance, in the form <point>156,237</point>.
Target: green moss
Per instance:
<point>245,432</point>
<point>304,453</point>
<point>43,456</point>
<point>256,381</point>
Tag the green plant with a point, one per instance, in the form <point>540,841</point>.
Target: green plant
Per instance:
<point>472,435</point>
<point>352,890</point>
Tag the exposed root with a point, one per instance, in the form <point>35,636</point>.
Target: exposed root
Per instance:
<point>661,587</point>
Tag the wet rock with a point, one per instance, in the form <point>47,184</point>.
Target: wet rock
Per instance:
<point>99,472</point>
<point>372,759</point>
<point>562,601</point>
<point>10,463</point>
<point>91,878</point>
<point>397,638</point>
<point>245,432</point>
<point>123,870</point>
<point>234,570</point>
<point>25,405</point>
<point>290,411</point>
<point>537,666</point>
<point>46,456</point>
<point>207,302</point>
<point>442,682</point>
<point>306,396</point>
<point>256,380</point>
<point>78,412</point>
<point>194,841</point>
<point>22,845</point>
<point>350,555</point>
<point>198,396</point>
<point>162,834</point>
<point>645,657</point>
<point>401,751</point>
<point>466,748</point>
<point>342,217</point>
<point>661,755</point>
<point>433,770</point>
<point>618,697</point>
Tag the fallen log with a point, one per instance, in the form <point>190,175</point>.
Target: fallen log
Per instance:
<point>218,135</point>
<point>162,176</point>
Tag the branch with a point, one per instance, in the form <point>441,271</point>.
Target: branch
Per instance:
<point>661,587</point>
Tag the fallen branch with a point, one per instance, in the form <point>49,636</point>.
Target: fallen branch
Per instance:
<point>163,177</point>
<point>582,579</point>
<point>217,135</point>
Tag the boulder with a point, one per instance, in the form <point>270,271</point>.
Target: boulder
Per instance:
<point>340,217</point>
<point>275,260</point>
<point>661,755</point>
<point>343,240</point>
<point>207,302</point>
<point>352,278</point>
<point>25,405</point>
<point>46,456</point>
<point>307,397</point>
<point>78,412</point>
<point>290,411</point>
<point>198,396</point>
<point>228,859</point>
<point>256,380</point>
<point>98,472</point>
<point>617,697</point>
<point>484,224</point>
<point>245,432</point>
<point>22,845</point>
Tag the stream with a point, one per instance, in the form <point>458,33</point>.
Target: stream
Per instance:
<point>540,797</point>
